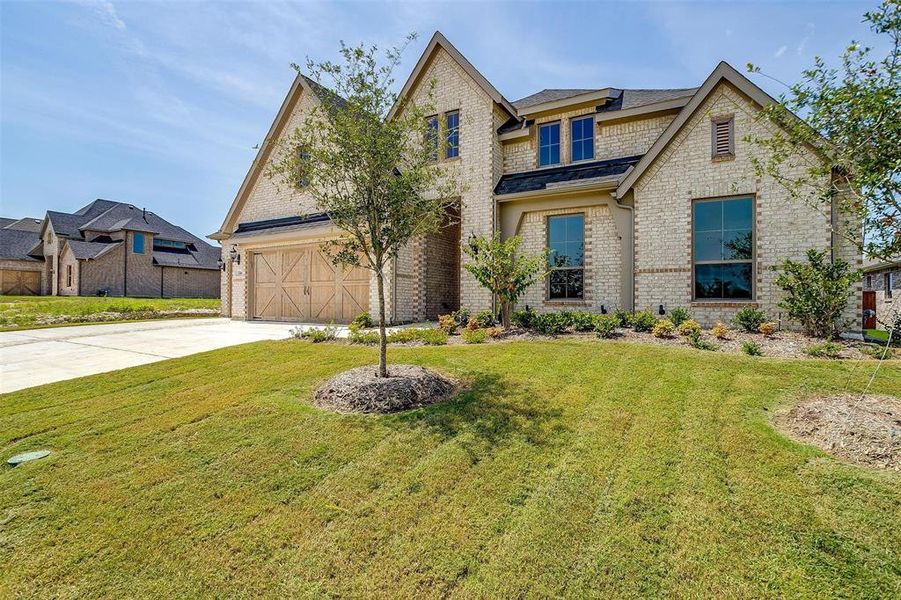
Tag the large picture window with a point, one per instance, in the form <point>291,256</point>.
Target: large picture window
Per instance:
<point>723,249</point>
<point>582,137</point>
<point>549,144</point>
<point>566,241</point>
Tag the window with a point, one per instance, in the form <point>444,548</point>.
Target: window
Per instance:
<point>452,122</point>
<point>157,243</point>
<point>582,131</point>
<point>888,284</point>
<point>869,282</point>
<point>722,137</point>
<point>302,157</point>
<point>566,241</point>
<point>549,144</point>
<point>431,137</point>
<point>723,248</point>
<point>68,275</point>
<point>137,243</point>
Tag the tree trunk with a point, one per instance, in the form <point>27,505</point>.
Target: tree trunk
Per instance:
<point>505,314</point>
<point>383,340</point>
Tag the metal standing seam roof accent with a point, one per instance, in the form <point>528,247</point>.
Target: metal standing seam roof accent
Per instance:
<point>539,179</point>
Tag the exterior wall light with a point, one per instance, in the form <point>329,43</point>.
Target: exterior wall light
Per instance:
<point>235,255</point>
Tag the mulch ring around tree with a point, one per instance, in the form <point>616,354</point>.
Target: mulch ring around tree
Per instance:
<point>406,387</point>
<point>865,430</point>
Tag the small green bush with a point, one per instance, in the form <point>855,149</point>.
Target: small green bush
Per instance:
<point>827,349</point>
<point>679,315</point>
<point>362,321</point>
<point>688,327</point>
<point>663,328</point>
<point>485,318</point>
<point>316,335</point>
<point>623,316</point>
<point>642,320</point>
<point>751,348</point>
<point>524,318</point>
<point>550,324</point>
<point>581,320</point>
<point>877,351</point>
<point>461,316</point>
<point>368,338</point>
<point>447,323</point>
<point>432,337</point>
<point>749,319</point>
<point>696,342</point>
<point>474,336</point>
<point>605,325</point>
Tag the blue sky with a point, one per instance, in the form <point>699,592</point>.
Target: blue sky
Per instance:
<point>161,103</point>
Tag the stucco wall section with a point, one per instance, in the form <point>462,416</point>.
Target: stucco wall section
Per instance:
<point>603,260</point>
<point>684,172</point>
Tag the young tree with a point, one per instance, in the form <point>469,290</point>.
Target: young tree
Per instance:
<point>499,267</point>
<point>375,177</point>
<point>816,292</point>
<point>853,119</point>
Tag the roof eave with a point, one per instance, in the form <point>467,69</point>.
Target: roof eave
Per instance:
<point>604,94</point>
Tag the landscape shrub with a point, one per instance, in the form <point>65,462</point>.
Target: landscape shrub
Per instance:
<point>768,328</point>
<point>472,324</point>
<point>816,292</point>
<point>461,316</point>
<point>701,344</point>
<point>447,323</point>
<point>679,315</point>
<point>877,351</point>
<point>550,324</point>
<point>663,328</point>
<point>581,320</point>
<point>751,348</point>
<point>749,319</point>
<point>316,335</point>
<point>827,349</point>
<point>623,317</point>
<point>524,318</point>
<point>485,318</point>
<point>361,321</point>
<point>688,327</point>
<point>642,320</point>
<point>605,325</point>
<point>430,336</point>
<point>368,338</point>
<point>720,331</point>
<point>494,332</point>
<point>473,336</point>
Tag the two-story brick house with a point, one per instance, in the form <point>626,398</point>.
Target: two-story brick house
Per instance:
<point>647,198</point>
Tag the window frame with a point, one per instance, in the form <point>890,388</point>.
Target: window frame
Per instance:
<point>542,126</point>
<point>869,284</point>
<point>137,235</point>
<point>752,260</point>
<point>547,241</point>
<point>434,154</point>
<point>68,275</point>
<point>888,279</point>
<point>714,122</point>
<point>447,145</point>
<point>573,121</point>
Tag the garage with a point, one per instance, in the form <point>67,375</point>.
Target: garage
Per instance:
<point>300,283</point>
<point>20,283</point>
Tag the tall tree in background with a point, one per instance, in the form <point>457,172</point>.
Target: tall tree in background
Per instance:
<point>853,120</point>
<point>375,177</point>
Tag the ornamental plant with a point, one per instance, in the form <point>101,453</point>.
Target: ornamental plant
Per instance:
<point>642,320</point>
<point>749,319</point>
<point>817,292</point>
<point>679,315</point>
<point>663,328</point>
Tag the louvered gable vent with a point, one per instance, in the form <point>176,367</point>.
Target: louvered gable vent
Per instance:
<point>722,137</point>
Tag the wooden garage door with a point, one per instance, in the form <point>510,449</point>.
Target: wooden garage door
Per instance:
<point>300,283</point>
<point>20,283</point>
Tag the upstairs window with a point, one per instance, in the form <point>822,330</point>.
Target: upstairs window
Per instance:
<point>549,144</point>
<point>582,136</point>
<point>302,157</point>
<point>158,243</point>
<point>452,122</point>
<point>431,137</point>
<point>566,241</point>
<point>888,284</point>
<point>722,137</point>
<point>723,249</point>
<point>137,243</point>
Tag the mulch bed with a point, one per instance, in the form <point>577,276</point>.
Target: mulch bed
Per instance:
<point>865,430</point>
<point>406,387</point>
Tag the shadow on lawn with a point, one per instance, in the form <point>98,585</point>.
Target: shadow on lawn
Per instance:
<point>492,412</point>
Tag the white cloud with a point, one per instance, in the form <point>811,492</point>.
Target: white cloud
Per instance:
<point>106,11</point>
<point>811,28</point>
<point>780,51</point>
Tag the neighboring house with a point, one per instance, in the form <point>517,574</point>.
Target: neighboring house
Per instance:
<point>881,292</point>
<point>108,248</point>
<point>21,264</point>
<point>647,199</point>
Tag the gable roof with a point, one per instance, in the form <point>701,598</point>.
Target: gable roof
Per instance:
<point>550,95</point>
<point>301,84</point>
<point>24,224</point>
<point>437,40</point>
<point>86,250</point>
<point>723,72</point>
<point>542,179</point>
<point>16,244</point>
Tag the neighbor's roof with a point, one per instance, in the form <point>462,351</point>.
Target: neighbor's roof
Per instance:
<point>16,244</point>
<point>875,264</point>
<point>540,179</point>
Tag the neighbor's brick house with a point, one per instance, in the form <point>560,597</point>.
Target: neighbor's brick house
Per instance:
<point>647,198</point>
<point>882,291</point>
<point>110,248</point>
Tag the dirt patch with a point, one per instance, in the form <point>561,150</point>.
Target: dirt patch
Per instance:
<point>406,387</point>
<point>866,430</point>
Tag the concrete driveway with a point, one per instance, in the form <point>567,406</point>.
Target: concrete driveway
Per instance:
<point>39,356</point>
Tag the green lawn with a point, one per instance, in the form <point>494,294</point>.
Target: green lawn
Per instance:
<point>571,468</point>
<point>28,312</point>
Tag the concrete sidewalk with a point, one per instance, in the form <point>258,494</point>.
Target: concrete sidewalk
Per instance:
<point>35,357</point>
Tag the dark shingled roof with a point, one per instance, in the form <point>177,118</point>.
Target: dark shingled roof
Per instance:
<point>635,98</point>
<point>84,250</point>
<point>539,179</point>
<point>25,224</point>
<point>283,224</point>
<point>4,221</point>
<point>550,95</point>
<point>16,245</point>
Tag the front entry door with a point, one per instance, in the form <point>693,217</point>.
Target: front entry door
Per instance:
<point>869,310</point>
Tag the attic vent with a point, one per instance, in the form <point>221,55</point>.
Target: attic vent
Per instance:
<point>723,137</point>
